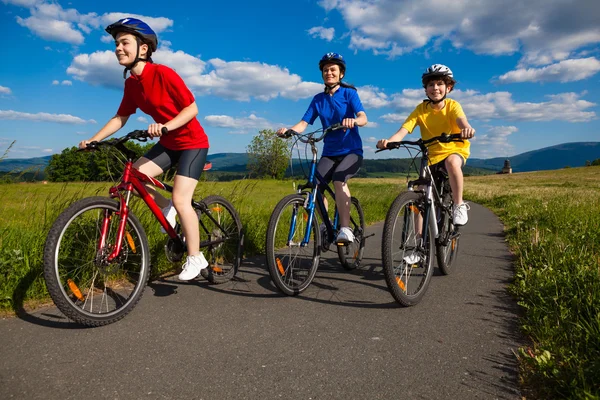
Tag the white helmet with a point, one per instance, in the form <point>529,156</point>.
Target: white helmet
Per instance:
<point>436,70</point>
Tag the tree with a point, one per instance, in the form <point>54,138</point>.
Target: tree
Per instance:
<point>70,165</point>
<point>268,155</point>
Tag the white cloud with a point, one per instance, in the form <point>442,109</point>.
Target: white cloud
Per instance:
<point>64,83</point>
<point>544,32</point>
<point>47,151</point>
<point>563,71</point>
<point>568,107</point>
<point>22,3</point>
<point>50,21</point>
<point>493,142</point>
<point>371,124</point>
<point>394,118</point>
<point>58,31</point>
<point>372,97</point>
<point>43,117</point>
<point>322,33</point>
<point>371,139</point>
<point>239,125</point>
<point>5,90</point>
<point>142,119</point>
<point>236,80</point>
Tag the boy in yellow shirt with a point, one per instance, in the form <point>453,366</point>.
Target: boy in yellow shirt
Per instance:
<point>439,115</point>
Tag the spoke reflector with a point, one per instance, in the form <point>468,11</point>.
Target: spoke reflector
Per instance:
<point>280,266</point>
<point>75,289</point>
<point>400,283</point>
<point>130,241</point>
<point>217,269</point>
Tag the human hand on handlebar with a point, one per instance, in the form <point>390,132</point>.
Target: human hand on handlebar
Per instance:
<point>155,130</point>
<point>382,144</point>
<point>467,133</point>
<point>348,123</point>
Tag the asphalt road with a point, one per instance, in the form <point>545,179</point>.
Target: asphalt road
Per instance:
<point>344,338</point>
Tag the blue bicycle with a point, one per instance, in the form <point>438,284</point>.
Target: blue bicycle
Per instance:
<point>294,239</point>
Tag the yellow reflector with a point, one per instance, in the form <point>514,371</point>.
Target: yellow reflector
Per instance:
<point>453,244</point>
<point>305,217</point>
<point>280,266</point>
<point>130,241</point>
<point>414,209</point>
<point>217,209</point>
<point>75,289</point>
<point>355,254</point>
<point>217,269</point>
<point>400,283</point>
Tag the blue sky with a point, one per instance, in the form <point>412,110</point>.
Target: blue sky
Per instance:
<point>527,71</point>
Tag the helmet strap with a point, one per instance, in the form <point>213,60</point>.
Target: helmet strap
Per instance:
<point>136,60</point>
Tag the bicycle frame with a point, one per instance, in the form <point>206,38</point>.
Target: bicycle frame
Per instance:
<point>315,196</point>
<point>133,179</point>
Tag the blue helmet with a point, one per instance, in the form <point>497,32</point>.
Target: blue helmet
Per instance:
<point>135,27</point>
<point>333,58</point>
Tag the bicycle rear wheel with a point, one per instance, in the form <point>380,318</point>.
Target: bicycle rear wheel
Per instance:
<point>351,254</point>
<point>446,245</point>
<point>83,284</point>
<point>407,260</point>
<point>292,266</point>
<point>221,239</point>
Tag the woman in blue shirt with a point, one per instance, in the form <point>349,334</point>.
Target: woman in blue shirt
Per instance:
<point>342,149</point>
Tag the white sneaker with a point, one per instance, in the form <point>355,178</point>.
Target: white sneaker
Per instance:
<point>192,267</point>
<point>459,214</point>
<point>170,213</point>
<point>345,235</point>
<point>412,259</point>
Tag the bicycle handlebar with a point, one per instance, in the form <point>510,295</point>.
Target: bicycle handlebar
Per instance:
<point>140,135</point>
<point>308,137</point>
<point>443,138</point>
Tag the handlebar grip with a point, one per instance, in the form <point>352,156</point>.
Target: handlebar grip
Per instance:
<point>289,133</point>
<point>164,130</point>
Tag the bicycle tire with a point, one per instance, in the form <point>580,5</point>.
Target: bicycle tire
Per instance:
<point>76,271</point>
<point>291,271</point>
<point>447,243</point>
<point>399,244</point>
<point>351,255</point>
<point>224,259</point>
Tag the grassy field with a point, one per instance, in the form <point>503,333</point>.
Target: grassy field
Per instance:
<point>28,211</point>
<point>552,223</point>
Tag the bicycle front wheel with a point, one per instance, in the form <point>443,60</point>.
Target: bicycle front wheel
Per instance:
<point>221,239</point>
<point>407,258</point>
<point>83,284</point>
<point>292,263</point>
<point>351,254</point>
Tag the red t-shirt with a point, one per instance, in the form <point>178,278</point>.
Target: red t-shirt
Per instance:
<point>159,92</point>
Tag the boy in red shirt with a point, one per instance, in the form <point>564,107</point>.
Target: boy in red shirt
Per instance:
<point>159,92</point>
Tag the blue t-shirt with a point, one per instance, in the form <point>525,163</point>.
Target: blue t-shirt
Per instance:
<point>332,110</point>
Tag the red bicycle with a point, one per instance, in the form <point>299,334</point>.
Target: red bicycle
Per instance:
<point>97,256</point>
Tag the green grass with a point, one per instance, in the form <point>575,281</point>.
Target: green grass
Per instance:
<point>29,211</point>
<point>552,221</point>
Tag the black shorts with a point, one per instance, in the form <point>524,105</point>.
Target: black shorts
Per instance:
<point>339,168</point>
<point>190,162</point>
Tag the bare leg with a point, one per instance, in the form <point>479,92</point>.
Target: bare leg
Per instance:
<point>183,191</point>
<point>454,167</point>
<point>151,169</point>
<point>342,201</point>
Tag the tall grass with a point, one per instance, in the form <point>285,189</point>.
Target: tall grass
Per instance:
<point>552,221</point>
<point>29,210</point>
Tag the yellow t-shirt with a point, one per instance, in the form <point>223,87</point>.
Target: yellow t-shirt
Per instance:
<point>433,123</point>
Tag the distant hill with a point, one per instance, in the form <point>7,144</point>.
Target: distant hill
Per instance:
<point>553,157</point>
<point>22,164</point>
